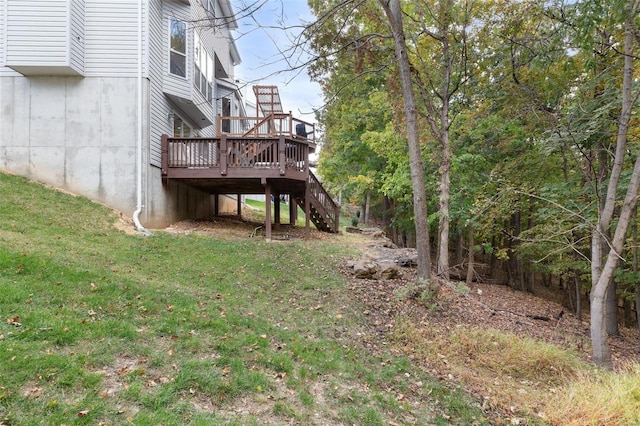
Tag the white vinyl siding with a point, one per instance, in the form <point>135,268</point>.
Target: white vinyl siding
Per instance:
<point>45,36</point>
<point>159,110</point>
<point>112,38</point>
<point>4,71</point>
<point>77,35</point>
<point>2,28</point>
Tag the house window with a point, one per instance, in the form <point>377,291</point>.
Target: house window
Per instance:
<point>180,128</point>
<point>178,48</point>
<point>203,69</point>
<point>226,112</point>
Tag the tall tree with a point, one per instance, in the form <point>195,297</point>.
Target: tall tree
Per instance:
<point>393,12</point>
<point>439,60</point>
<point>605,258</point>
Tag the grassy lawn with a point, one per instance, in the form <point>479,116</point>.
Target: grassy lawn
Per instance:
<point>101,327</point>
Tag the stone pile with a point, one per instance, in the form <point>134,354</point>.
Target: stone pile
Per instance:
<point>382,259</point>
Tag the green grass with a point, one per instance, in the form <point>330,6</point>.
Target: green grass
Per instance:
<point>100,326</point>
<point>260,209</point>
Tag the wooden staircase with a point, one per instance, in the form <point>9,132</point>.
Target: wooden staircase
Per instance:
<point>323,211</point>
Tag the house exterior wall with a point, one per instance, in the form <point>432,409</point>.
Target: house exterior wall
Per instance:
<point>44,37</point>
<point>79,132</point>
<point>159,114</point>
<point>112,38</point>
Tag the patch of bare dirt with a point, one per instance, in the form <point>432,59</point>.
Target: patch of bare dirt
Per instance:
<point>234,228</point>
<point>126,225</point>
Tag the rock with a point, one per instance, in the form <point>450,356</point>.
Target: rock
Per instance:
<point>352,230</point>
<point>383,258</point>
<point>365,270</point>
<point>408,262</point>
<point>388,269</point>
<point>383,242</point>
<point>373,232</point>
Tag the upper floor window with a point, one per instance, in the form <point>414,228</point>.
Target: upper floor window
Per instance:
<point>178,48</point>
<point>203,69</point>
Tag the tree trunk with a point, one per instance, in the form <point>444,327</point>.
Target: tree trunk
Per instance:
<point>445,149</point>
<point>394,14</point>
<point>612,309</point>
<point>638,303</point>
<point>445,189</point>
<point>515,265</point>
<point>530,276</point>
<point>364,210</point>
<point>367,203</point>
<point>629,321</point>
<point>470,268</point>
<point>459,251</point>
<point>531,282</point>
<point>635,264</point>
<point>578,287</point>
<point>602,272</point>
<point>386,217</point>
<point>492,259</point>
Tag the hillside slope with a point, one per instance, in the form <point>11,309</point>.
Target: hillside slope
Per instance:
<point>101,326</point>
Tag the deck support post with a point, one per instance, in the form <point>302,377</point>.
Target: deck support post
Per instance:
<point>307,208</point>
<point>267,220</point>
<point>276,208</point>
<point>164,157</point>
<point>239,204</point>
<point>293,210</point>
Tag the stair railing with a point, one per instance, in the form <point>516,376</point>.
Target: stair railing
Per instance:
<point>323,203</point>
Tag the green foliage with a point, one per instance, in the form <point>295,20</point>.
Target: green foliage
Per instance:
<point>535,115</point>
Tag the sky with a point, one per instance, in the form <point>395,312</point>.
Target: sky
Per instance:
<point>259,38</point>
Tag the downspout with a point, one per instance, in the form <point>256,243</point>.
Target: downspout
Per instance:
<point>136,214</point>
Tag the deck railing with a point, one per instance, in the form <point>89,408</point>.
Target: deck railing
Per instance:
<point>325,204</point>
<point>228,152</point>
<point>276,124</point>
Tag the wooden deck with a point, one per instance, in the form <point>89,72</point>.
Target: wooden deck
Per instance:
<point>267,155</point>
<point>229,165</point>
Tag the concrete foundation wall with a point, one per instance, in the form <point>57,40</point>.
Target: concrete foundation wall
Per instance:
<point>79,134</point>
